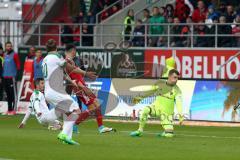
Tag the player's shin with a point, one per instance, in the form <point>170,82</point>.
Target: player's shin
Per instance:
<point>68,123</point>
<point>142,122</point>
<point>168,131</point>
<point>99,117</point>
<point>82,117</point>
<point>143,118</point>
<point>167,124</point>
<point>85,114</point>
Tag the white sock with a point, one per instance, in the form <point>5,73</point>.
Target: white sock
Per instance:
<point>70,131</point>
<point>68,128</point>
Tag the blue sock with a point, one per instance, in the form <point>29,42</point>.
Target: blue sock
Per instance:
<point>75,129</point>
<point>100,127</point>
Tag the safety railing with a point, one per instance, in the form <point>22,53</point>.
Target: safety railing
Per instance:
<point>33,13</point>
<point>194,35</point>
<point>172,35</point>
<point>11,30</point>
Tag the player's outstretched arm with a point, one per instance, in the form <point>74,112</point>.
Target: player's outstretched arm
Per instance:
<point>74,69</point>
<point>26,117</point>
<point>146,94</point>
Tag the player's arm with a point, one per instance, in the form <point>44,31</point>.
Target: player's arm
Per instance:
<point>26,117</point>
<point>36,104</point>
<point>72,82</point>
<point>86,90</point>
<point>74,69</point>
<point>178,101</point>
<point>146,94</point>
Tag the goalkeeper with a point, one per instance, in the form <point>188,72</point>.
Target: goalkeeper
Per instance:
<point>167,94</point>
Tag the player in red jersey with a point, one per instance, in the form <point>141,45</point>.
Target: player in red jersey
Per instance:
<point>85,94</point>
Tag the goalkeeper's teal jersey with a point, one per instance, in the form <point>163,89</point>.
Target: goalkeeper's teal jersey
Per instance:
<point>167,96</point>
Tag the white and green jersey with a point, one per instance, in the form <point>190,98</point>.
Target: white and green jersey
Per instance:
<point>55,92</point>
<point>52,68</point>
<point>37,105</point>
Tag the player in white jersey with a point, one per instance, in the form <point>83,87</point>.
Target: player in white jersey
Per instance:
<point>53,67</point>
<point>39,108</point>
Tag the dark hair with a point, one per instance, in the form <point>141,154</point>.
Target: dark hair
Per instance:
<point>163,8</point>
<point>69,47</point>
<point>171,6</point>
<point>172,71</point>
<point>147,10</point>
<point>8,42</point>
<point>51,45</point>
<point>129,11</point>
<point>139,20</point>
<point>37,81</point>
<point>33,47</point>
<point>223,3</point>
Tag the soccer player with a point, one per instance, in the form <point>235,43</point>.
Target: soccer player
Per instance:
<point>85,94</point>
<point>167,93</point>
<point>39,108</point>
<point>53,71</point>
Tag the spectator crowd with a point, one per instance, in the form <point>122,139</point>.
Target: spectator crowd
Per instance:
<point>210,17</point>
<point>85,12</point>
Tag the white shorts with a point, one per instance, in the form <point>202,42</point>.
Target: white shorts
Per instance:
<point>48,118</point>
<point>63,102</point>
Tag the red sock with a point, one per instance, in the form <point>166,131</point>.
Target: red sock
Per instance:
<point>83,116</point>
<point>99,117</point>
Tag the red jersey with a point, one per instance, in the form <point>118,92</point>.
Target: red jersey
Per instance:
<point>87,100</point>
<point>75,76</point>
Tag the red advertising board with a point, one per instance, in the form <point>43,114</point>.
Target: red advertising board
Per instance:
<point>207,64</point>
<point>26,87</point>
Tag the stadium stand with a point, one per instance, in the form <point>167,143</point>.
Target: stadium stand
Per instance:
<point>103,21</point>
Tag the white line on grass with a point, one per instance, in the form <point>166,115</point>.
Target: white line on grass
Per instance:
<point>188,135</point>
<point>177,134</point>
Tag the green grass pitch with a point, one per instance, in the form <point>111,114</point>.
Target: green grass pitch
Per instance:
<point>37,143</point>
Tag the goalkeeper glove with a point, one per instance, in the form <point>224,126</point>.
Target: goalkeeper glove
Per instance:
<point>136,100</point>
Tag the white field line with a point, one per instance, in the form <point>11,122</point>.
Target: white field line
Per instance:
<point>179,133</point>
<point>189,135</point>
<point>185,123</point>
